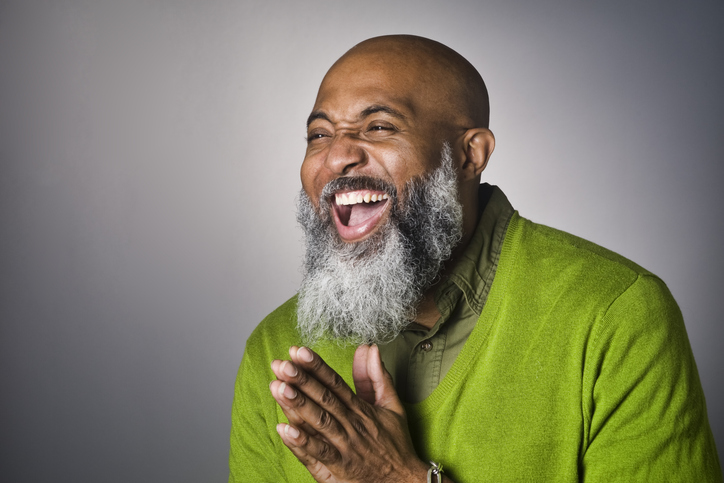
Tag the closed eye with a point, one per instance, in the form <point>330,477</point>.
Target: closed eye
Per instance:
<point>314,135</point>
<point>382,128</point>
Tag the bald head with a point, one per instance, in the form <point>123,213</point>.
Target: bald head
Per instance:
<point>443,79</point>
<point>387,110</point>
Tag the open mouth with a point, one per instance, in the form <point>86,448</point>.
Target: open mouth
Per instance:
<point>357,213</point>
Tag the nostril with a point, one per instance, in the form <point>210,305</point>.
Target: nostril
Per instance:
<point>344,155</point>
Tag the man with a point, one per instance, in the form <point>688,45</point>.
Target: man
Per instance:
<point>503,349</point>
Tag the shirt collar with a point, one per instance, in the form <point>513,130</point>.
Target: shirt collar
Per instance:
<point>473,273</point>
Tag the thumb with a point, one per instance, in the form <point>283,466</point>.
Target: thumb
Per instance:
<point>362,382</point>
<point>384,389</point>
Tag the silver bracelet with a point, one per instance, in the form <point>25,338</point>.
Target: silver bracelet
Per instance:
<point>435,469</point>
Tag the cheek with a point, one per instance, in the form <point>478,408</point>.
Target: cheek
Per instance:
<point>312,183</point>
<point>409,163</point>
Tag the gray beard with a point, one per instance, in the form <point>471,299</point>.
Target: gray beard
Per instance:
<point>367,292</point>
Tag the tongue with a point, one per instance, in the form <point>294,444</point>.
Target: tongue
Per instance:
<point>362,212</point>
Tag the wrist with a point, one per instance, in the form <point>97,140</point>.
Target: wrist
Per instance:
<point>418,472</point>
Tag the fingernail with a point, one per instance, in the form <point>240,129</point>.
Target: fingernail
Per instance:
<point>286,391</point>
<point>291,431</point>
<point>289,369</point>
<point>305,354</point>
<point>280,428</point>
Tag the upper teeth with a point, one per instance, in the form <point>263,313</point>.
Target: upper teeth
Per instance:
<point>355,197</point>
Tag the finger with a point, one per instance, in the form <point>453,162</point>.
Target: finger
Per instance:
<point>274,388</point>
<point>339,400</point>
<point>315,366</point>
<point>297,405</point>
<point>290,412</point>
<point>300,445</point>
<point>361,376</point>
<point>307,448</point>
<point>384,389</point>
<point>324,397</point>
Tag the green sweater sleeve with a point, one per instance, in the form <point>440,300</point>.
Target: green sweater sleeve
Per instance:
<point>252,452</point>
<point>644,411</point>
<point>256,452</point>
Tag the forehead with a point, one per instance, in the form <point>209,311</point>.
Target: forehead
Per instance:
<point>352,86</point>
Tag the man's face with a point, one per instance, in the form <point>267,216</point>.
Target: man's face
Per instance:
<point>381,205</point>
<point>369,120</point>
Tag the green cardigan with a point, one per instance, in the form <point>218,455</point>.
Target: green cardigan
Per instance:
<point>579,369</point>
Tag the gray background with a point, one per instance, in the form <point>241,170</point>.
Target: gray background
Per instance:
<point>150,155</point>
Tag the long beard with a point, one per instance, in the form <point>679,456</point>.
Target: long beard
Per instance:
<point>367,292</point>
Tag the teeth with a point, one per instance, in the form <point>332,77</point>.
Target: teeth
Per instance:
<point>354,198</point>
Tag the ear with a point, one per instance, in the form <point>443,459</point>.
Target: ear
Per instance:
<point>478,144</point>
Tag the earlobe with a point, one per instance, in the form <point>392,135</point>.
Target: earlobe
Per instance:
<point>478,144</point>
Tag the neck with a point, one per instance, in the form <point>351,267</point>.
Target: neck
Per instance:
<point>427,313</point>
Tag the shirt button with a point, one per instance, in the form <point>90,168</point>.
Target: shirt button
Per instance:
<point>426,346</point>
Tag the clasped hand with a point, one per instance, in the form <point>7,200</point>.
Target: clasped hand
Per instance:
<point>338,435</point>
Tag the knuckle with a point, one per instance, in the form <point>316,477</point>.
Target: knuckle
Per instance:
<point>325,420</point>
<point>337,381</point>
<point>358,425</point>
<point>327,398</point>
<point>364,408</point>
<point>299,401</point>
<point>317,363</point>
<point>303,439</point>
<point>301,378</point>
<point>326,452</point>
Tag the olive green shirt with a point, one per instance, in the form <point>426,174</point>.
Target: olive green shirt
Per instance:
<point>418,358</point>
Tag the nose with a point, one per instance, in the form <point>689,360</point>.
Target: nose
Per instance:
<point>345,154</point>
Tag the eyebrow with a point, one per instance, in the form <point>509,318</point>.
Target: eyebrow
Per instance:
<point>373,109</point>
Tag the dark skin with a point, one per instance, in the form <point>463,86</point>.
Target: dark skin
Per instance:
<point>383,110</point>
<point>337,434</point>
